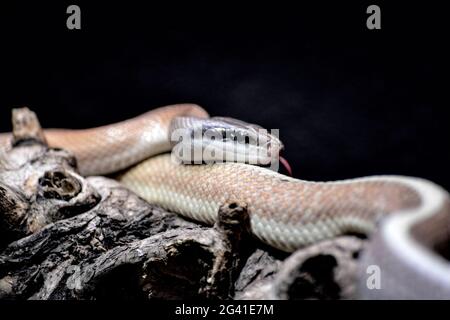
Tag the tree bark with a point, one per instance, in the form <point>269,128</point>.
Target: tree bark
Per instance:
<point>63,236</point>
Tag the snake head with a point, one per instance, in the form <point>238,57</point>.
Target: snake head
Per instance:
<point>221,139</point>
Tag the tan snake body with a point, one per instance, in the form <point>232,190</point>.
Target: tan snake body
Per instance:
<point>285,213</point>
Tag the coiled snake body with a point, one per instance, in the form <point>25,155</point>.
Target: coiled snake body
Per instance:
<point>285,213</point>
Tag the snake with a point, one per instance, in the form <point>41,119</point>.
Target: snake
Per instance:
<point>406,218</point>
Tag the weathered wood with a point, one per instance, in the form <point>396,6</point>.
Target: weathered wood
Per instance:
<point>63,236</point>
<point>326,270</point>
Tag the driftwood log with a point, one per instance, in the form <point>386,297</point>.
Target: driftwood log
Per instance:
<point>63,236</point>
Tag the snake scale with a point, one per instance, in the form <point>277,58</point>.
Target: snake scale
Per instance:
<point>408,219</point>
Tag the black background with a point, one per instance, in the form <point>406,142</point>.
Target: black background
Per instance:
<point>348,101</point>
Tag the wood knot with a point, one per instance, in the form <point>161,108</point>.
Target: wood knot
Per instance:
<point>233,213</point>
<point>59,185</point>
<point>26,127</point>
<point>233,221</point>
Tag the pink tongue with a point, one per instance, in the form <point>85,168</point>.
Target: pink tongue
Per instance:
<point>286,165</point>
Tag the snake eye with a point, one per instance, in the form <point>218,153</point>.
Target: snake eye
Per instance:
<point>231,136</point>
